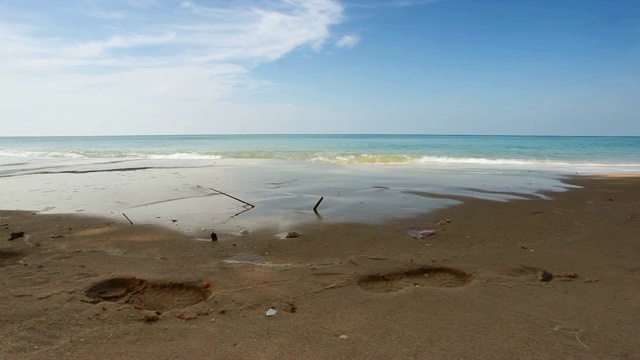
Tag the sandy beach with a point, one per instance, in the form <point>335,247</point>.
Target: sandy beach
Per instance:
<point>82,287</point>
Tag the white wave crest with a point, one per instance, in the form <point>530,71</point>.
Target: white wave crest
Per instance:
<point>484,161</point>
<point>41,154</point>
<point>183,156</point>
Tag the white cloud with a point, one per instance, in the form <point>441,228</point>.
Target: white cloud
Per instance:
<point>348,41</point>
<point>176,64</point>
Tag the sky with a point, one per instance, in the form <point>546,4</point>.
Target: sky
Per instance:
<point>133,67</point>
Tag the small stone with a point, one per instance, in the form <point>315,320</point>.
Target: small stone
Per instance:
<point>344,337</point>
<point>292,234</point>
<point>16,235</point>
<point>151,317</point>
<point>214,237</point>
<point>244,232</point>
<point>545,276</point>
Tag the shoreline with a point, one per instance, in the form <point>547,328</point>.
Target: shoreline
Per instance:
<point>356,290</point>
<point>198,197</point>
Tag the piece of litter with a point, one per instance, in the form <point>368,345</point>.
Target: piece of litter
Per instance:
<point>417,234</point>
<point>343,337</point>
<point>444,222</point>
<point>271,312</point>
<point>291,235</point>
<point>57,236</point>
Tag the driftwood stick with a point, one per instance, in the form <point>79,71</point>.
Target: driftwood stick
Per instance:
<point>315,208</point>
<point>233,197</point>
<point>125,215</point>
<point>629,219</point>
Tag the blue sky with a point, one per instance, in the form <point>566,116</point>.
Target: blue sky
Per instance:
<point>98,67</point>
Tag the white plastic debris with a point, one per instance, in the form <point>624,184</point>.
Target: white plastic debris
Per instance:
<point>422,234</point>
<point>343,337</point>
<point>271,312</point>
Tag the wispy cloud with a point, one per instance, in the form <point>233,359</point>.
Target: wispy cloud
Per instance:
<point>348,41</point>
<point>141,55</point>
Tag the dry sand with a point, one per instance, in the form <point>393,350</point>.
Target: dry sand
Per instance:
<point>359,291</point>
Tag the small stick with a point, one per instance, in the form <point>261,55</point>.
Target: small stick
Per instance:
<point>315,208</point>
<point>233,197</point>
<point>630,217</point>
<point>125,215</point>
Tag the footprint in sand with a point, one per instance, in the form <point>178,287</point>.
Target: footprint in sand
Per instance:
<point>6,257</point>
<point>425,276</point>
<point>149,295</point>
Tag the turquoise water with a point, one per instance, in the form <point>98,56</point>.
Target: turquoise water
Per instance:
<point>426,149</point>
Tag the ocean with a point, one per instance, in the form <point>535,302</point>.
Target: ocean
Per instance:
<point>623,152</point>
<point>196,183</point>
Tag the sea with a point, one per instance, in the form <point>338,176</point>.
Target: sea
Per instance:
<point>237,184</point>
<point>621,153</point>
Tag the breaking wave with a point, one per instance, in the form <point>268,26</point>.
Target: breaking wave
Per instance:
<point>312,156</point>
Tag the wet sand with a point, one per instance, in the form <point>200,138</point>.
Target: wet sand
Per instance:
<point>79,287</point>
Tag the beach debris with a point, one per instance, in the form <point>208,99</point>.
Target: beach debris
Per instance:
<point>293,309</point>
<point>57,236</point>
<point>186,317</point>
<point>244,232</point>
<point>444,222</point>
<point>152,317</point>
<point>206,285</point>
<point>628,219</point>
<point>526,248</point>
<point>125,215</point>
<point>422,234</point>
<point>343,337</point>
<point>174,220</point>
<point>569,275</point>
<point>16,235</point>
<point>291,235</point>
<point>247,206</point>
<point>545,276</point>
<point>271,311</point>
<point>214,237</point>
<point>315,208</point>
<point>577,333</point>
<point>538,212</point>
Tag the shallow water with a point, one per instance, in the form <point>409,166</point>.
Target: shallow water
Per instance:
<point>198,196</point>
